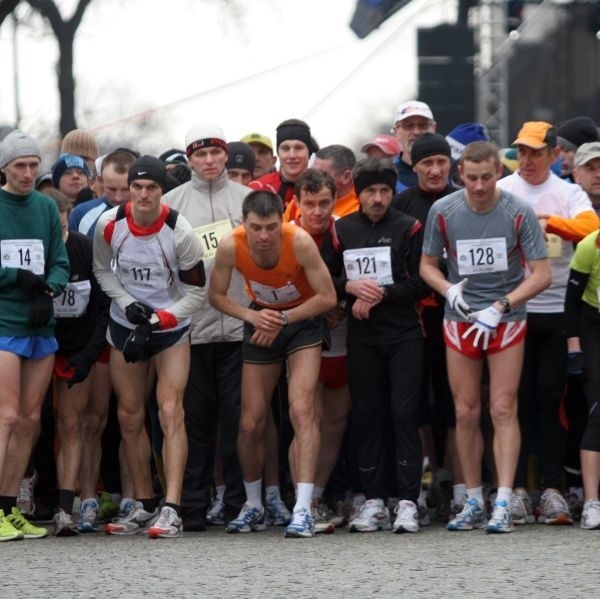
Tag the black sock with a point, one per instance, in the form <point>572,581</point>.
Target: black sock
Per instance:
<point>65,500</point>
<point>149,504</point>
<point>7,503</point>
<point>175,506</point>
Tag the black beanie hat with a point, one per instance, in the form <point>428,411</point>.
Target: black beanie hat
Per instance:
<point>148,167</point>
<point>372,171</point>
<point>298,131</point>
<point>429,144</point>
<point>577,131</point>
<point>240,155</point>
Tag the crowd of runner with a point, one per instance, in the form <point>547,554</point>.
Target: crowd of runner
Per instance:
<point>260,333</point>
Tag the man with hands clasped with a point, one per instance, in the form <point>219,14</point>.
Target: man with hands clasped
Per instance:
<point>486,235</point>
<point>148,259</point>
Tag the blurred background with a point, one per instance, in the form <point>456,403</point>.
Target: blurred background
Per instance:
<point>140,73</point>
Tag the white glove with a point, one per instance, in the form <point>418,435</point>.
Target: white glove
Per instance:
<point>485,323</point>
<point>456,300</point>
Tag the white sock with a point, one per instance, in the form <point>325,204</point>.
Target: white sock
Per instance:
<point>317,492</point>
<point>220,490</point>
<point>304,496</point>
<point>459,491</point>
<point>273,492</point>
<point>504,494</point>
<point>253,493</point>
<point>477,494</point>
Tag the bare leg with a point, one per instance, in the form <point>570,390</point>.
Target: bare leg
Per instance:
<point>129,382</point>
<point>505,372</point>
<point>172,368</point>
<point>258,383</point>
<point>34,379</point>
<point>464,375</point>
<point>94,421</point>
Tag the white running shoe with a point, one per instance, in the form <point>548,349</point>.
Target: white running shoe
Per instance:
<point>521,507</point>
<point>215,516</point>
<point>590,516</point>
<point>277,513</point>
<point>501,518</point>
<point>554,509</point>
<point>373,516</point>
<point>139,520</point>
<point>168,525</point>
<point>407,517</point>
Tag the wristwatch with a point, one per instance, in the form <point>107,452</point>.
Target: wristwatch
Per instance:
<point>284,318</point>
<point>505,303</point>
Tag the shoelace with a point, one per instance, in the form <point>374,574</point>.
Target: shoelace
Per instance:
<point>401,510</point>
<point>18,520</point>
<point>555,502</point>
<point>88,510</point>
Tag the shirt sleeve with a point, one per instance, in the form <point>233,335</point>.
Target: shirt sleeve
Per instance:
<point>103,271</point>
<point>188,250</point>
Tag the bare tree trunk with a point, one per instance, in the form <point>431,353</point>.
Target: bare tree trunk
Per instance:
<point>64,32</point>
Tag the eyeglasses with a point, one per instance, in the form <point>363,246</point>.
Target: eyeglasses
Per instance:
<point>408,125</point>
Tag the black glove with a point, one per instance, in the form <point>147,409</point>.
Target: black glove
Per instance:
<point>40,312</point>
<point>134,349</point>
<point>575,366</point>
<point>31,283</point>
<point>138,313</point>
<point>82,365</point>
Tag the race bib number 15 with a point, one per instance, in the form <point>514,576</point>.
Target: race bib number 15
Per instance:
<point>210,235</point>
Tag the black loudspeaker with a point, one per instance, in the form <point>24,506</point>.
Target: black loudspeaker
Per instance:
<point>446,78</point>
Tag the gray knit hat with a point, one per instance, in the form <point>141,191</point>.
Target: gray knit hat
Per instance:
<point>17,144</point>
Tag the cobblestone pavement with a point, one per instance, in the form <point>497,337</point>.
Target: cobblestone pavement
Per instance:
<point>535,561</point>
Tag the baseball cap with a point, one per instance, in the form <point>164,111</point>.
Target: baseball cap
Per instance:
<point>386,143</point>
<point>258,138</point>
<point>577,131</point>
<point>586,152</point>
<point>536,135</point>
<point>412,108</point>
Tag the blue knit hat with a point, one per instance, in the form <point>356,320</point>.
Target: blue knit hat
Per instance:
<point>463,135</point>
<point>64,163</point>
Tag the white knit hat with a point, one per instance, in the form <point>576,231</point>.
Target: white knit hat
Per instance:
<point>204,135</point>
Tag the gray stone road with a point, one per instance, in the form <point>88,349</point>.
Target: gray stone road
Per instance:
<point>535,561</point>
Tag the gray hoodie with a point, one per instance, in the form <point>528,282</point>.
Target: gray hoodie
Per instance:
<point>204,203</point>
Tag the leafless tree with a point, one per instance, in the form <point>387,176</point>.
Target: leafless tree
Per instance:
<point>64,31</point>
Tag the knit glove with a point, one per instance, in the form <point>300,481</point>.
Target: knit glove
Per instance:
<point>31,283</point>
<point>40,312</point>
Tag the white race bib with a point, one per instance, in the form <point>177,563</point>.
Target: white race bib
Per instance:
<point>73,301</point>
<point>210,235</point>
<point>554,245</point>
<point>274,296</point>
<point>476,256</point>
<point>374,263</point>
<point>23,253</point>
